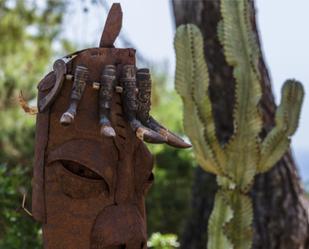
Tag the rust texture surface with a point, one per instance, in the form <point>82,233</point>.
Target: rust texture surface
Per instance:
<point>92,169</point>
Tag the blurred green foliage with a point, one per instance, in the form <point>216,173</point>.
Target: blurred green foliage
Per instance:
<point>18,230</point>
<point>163,241</point>
<point>28,31</point>
<point>168,199</point>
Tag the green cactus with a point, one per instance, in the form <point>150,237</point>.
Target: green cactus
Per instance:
<point>245,154</point>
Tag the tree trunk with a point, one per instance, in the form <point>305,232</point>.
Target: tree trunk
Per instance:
<point>281,218</point>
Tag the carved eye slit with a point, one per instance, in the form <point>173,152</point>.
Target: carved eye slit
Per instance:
<point>80,170</point>
<point>79,182</point>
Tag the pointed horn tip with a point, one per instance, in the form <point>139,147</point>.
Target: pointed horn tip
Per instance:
<point>107,131</point>
<point>66,119</point>
<point>177,142</point>
<point>150,136</point>
<point>178,145</point>
<point>174,140</point>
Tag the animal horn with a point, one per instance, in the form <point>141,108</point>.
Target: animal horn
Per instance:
<point>144,104</point>
<point>129,99</point>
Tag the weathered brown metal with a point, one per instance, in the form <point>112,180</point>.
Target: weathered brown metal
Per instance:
<point>113,26</point>
<point>87,176</point>
<point>89,189</point>
<point>60,69</point>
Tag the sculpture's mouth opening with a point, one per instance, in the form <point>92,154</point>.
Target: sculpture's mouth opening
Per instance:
<point>119,227</point>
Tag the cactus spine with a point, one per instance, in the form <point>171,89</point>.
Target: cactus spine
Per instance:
<point>245,154</point>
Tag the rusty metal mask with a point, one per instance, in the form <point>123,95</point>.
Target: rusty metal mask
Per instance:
<point>92,169</point>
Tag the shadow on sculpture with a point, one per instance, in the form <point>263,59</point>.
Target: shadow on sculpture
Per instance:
<point>92,169</point>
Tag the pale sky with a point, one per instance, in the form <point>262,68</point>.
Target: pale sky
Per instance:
<point>149,25</point>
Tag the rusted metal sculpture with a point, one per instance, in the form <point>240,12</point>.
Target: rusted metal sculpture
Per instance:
<point>92,169</point>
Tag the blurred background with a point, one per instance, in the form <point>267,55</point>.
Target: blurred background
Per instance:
<point>34,33</point>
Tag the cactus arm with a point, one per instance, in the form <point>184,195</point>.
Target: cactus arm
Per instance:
<point>192,83</point>
<point>194,129</point>
<point>240,52</point>
<point>274,146</point>
<point>200,91</point>
<point>289,109</point>
<point>278,140</point>
<point>183,75</point>
<point>230,224</point>
<point>222,213</point>
<point>192,124</point>
<point>239,229</point>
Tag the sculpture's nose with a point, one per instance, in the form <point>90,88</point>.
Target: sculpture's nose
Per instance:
<point>119,227</point>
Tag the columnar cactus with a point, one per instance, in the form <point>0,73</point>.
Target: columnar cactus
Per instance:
<point>245,154</point>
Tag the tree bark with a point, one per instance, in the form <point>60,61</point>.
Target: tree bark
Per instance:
<point>281,215</point>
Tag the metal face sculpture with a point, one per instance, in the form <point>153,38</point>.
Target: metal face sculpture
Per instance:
<point>92,169</point>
